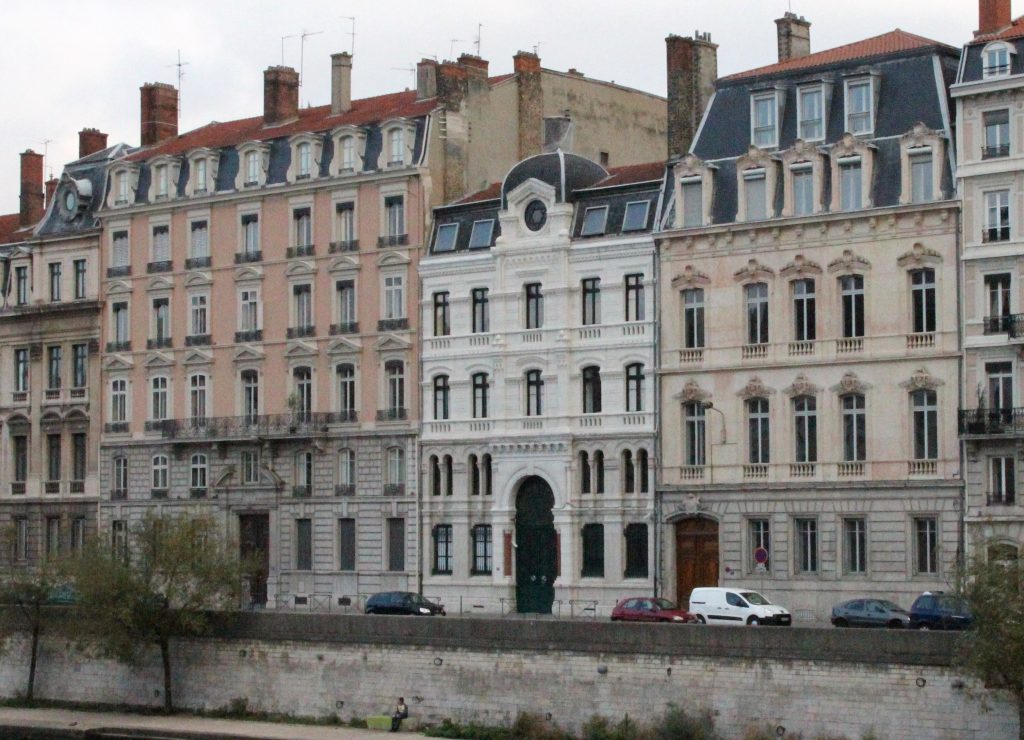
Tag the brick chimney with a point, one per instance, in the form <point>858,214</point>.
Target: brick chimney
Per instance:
<point>159,113</point>
<point>692,70</point>
<point>993,15</point>
<point>51,188</point>
<point>476,66</point>
<point>341,83</point>
<point>426,79</point>
<point>452,85</point>
<point>90,141</point>
<point>794,36</point>
<point>280,95</point>
<point>530,99</point>
<point>32,204</point>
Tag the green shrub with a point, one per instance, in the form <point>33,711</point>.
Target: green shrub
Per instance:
<point>676,724</point>
<point>601,728</point>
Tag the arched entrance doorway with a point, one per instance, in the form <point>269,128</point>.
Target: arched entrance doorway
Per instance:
<point>696,556</point>
<point>536,547</point>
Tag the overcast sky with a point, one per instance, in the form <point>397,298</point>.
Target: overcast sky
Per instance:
<point>69,64</point>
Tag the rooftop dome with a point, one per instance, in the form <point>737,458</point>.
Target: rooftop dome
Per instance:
<point>565,172</point>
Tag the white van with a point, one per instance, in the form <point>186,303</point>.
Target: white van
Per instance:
<point>736,606</point>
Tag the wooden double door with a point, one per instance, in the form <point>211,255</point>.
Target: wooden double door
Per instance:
<point>536,547</point>
<point>696,556</point>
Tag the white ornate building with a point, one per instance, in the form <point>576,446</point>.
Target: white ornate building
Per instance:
<point>538,390</point>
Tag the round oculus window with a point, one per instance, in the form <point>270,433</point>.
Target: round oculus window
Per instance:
<point>536,215</point>
<point>70,201</point>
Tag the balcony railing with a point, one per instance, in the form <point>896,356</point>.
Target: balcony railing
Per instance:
<point>992,421</point>
<point>303,250</point>
<point>392,324</point>
<point>345,489</point>
<point>197,492</point>
<point>116,427</point>
<point>198,340</point>
<point>195,263</point>
<point>19,397</point>
<point>125,346</point>
<point>394,489</point>
<point>17,488</point>
<point>296,332</point>
<point>1003,498</point>
<point>119,271</point>
<point>393,240</point>
<point>118,494</point>
<point>1010,324</point>
<point>995,234</point>
<point>392,414</point>
<point>347,416</point>
<point>253,335</point>
<point>242,258</point>
<point>351,245</point>
<point>993,152</point>
<point>162,266</point>
<point>248,426</point>
<point>51,486</point>
<point>158,343</point>
<point>302,491</point>
<point>345,327</point>
<point>77,486</point>
<point>158,493</point>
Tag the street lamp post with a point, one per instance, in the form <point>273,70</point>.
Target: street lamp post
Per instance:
<point>709,406</point>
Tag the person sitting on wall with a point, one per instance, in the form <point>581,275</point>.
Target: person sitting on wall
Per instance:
<point>400,713</point>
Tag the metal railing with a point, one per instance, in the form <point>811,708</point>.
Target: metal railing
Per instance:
<point>1011,324</point>
<point>248,426</point>
<point>992,152</point>
<point>992,421</point>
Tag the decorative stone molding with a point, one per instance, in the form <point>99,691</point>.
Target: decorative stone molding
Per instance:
<point>849,263</point>
<point>692,392</point>
<point>802,386</point>
<point>689,168</point>
<point>756,159</point>
<point>800,155</point>
<point>922,380</point>
<point>755,388</point>
<point>753,272</point>
<point>851,146</point>
<point>921,140</point>
<point>690,278</point>
<point>919,256</point>
<point>800,267</point>
<point>850,383</point>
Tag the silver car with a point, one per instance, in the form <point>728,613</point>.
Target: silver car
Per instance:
<point>870,613</point>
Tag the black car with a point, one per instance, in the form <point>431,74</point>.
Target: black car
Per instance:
<point>869,613</point>
<point>402,602</point>
<point>934,610</point>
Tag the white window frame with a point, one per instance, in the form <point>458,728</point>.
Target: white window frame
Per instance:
<point>809,90</point>
<point>199,305</point>
<point>393,307</point>
<point>848,113</point>
<point>755,99</point>
<point>990,71</point>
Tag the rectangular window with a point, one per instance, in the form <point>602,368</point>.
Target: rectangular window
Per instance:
<point>997,61</point>
<point>120,311</point>
<point>851,288</point>
<point>922,289</point>
<point>394,297</point>
<point>764,129</point>
<point>79,365</point>
<point>55,278</point>
<point>443,549</point>
<point>345,290</point>
<point>21,285</point>
<point>79,453</point>
<point>635,217</point>
<point>997,289</point>
<point>594,220</point>
<point>346,544</point>
<point>442,319</point>
<point>812,114</point>
<point>446,238</point>
<point>119,539</point>
<point>249,310</point>
<point>303,544</point>
<point>997,216</point>
<point>21,370</point>
<point>593,551</point>
<point>534,306</point>
<point>302,305</point>
<point>54,356</point>
<point>636,551</point>
<point>482,234</point>
<point>803,189</point>
<point>590,290</point>
<point>756,193</point>
<point>78,534</point>
<point>635,297</point>
<point>925,409</point>
<point>922,187</point>
<point>160,175</point>
<point>804,310</point>
<point>1002,481</point>
<point>79,266</point>
<point>20,458</point>
<point>121,256</point>
<point>859,104</point>
<point>851,197</point>
<point>199,245</point>
<point>483,550</point>
<point>161,244</point>
<point>805,418</point>
<point>21,538</point>
<point>198,314</point>
<point>807,545</point>
<point>250,467</point>
<point>757,313</point>
<point>694,429</point>
<point>346,222</point>
<point>302,227</point>
<point>396,544</point>
<point>759,440</point>
<point>926,545</point>
<point>693,201</point>
<point>693,318</point>
<point>161,319</point>
<point>997,134</point>
<point>481,311</point>
<point>760,539</point>
<point>250,234</point>
<point>53,444</point>
<point>394,208</point>
<point>854,428</point>
<point>855,545</point>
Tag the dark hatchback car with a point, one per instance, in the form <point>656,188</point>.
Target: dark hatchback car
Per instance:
<point>934,610</point>
<point>402,602</point>
<point>870,613</point>
<point>647,609</point>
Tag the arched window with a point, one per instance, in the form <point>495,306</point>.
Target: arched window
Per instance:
<point>480,392</point>
<point>347,391</point>
<point>396,147</point>
<point>448,475</point>
<point>635,387</point>
<point>474,475</point>
<point>160,472</point>
<point>394,370</point>
<point>642,469</point>
<point>592,390</point>
<point>250,394</point>
<point>348,154</point>
<point>585,485</point>
<point>441,393</point>
<point>628,473</point>
<point>199,474</point>
<point>486,464</point>
<point>435,476</point>
<point>301,400</point>
<point>197,396</point>
<point>598,472</point>
<point>534,393</point>
<point>996,60</point>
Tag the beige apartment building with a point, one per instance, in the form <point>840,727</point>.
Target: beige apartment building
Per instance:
<point>809,346</point>
<point>989,95</point>
<point>260,329</point>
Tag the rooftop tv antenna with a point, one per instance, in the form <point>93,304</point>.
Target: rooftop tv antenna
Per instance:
<point>536,48</point>
<point>407,69</point>
<point>352,34</point>
<point>479,33</point>
<point>283,38</point>
<point>302,50</point>
<point>181,74</point>
<point>451,47</point>
<point>46,149</point>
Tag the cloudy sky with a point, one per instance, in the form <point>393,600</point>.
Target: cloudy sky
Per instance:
<point>69,64</point>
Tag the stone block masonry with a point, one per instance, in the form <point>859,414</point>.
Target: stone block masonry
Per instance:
<point>843,682</point>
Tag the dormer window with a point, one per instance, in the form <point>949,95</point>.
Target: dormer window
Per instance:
<point>765,121</point>
<point>349,149</point>
<point>160,178</point>
<point>594,220</point>
<point>635,217</point>
<point>482,234</point>
<point>860,114</point>
<point>446,237</point>
<point>803,188</point>
<point>348,154</point>
<point>850,184</point>
<point>201,175</point>
<point>396,148</point>
<point>996,60</point>
<point>202,171</point>
<point>252,168</point>
<point>253,159</point>
<point>121,188</point>
<point>811,110</point>
<point>756,194</point>
<point>305,157</point>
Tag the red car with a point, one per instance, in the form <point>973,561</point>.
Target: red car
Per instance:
<point>647,609</point>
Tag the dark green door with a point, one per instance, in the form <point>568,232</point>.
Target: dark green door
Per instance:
<point>536,556</point>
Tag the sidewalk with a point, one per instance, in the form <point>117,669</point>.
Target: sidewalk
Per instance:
<point>53,723</point>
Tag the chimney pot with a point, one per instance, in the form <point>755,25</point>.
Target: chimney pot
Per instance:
<point>475,65</point>
<point>32,205</point>
<point>794,33</point>
<point>525,61</point>
<point>159,113</point>
<point>692,70</point>
<point>341,83</point>
<point>90,141</point>
<point>280,95</point>
<point>993,15</point>
<point>426,79</point>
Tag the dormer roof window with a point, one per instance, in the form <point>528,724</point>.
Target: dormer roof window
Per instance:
<point>811,113</point>
<point>997,59</point>
<point>399,137</point>
<point>349,148</point>
<point>860,106</point>
<point>764,120</point>
<point>203,165</point>
<point>305,160</point>
<point>253,160</point>
<point>163,177</point>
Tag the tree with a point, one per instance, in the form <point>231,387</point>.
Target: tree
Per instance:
<point>993,651</point>
<point>165,581</point>
<point>27,596</point>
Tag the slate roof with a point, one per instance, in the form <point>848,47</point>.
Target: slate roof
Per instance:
<point>972,68</point>
<point>886,44</point>
<point>556,169</point>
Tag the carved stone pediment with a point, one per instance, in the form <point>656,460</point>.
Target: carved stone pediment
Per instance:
<point>850,383</point>
<point>800,267</point>
<point>922,380</point>
<point>754,158</point>
<point>755,388</point>
<point>802,386</point>
<point>849,262</point>
<point>754,271</point>
<point>850,146</point>
<point>692,392</point>
<point>919,136</point>
<point>690,278</point>
<point>919,256</point>
<point>691,166</point>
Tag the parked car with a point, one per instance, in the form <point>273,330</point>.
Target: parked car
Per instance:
<point>935,610</point>
<point>402,602</point>
<point>870,613</point>
<point>736,607</point>
<point>647,609</point>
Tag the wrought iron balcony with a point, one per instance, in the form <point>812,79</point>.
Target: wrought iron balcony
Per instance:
<point>393,240</point>
<point>993,152</point>
<point>1010,324</point>
<point>161,266</point>
<point>303,250</point>
<point>346,327</point>
<point>350,245</point>
<point>119,346</point>
<point>119,271</point>
<point>244,427</point>
<point>297,332</point>
<point>17,488</point>
<point>392,324</point>
<point>253,335</point>
<point>77,486</point>
<point>391,415</point>
<point>116,427</point>
<point>345,489</point>
<point>118,494</point>
<point>1003,498</point>
<point>158,493</point>
<point>347,416</point>
<point>302,491</point>
<point>158,343</point>
<point>985,421</point>
<point>198,340</point>
<point>242,258</point>
<point>995,234</point>
<point>394,489</point>
<point>195,263</point>
<point>197,492</point>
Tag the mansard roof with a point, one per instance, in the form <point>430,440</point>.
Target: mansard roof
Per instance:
<point>1013,31</point>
